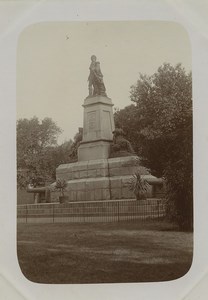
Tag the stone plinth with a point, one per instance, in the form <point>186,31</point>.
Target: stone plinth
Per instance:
<point>102,179</point>
<point>94,150</point>
<point>98,129</point>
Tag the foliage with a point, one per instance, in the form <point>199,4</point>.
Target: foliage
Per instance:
<point>60,155</point>
<point>179,174</point>
<point>61,185</point>
<point>160,125</point>
<point>36,149</point>
<point>139,186</point>
<point>126,119</point>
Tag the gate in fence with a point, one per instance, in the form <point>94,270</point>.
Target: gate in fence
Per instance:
<point>103,211</point>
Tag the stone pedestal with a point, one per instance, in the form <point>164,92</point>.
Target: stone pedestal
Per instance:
<point>102,179</point>
<point>93,150</point>
<point>97,129</point>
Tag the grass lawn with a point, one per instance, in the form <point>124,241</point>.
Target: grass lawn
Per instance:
<point>103,252</point>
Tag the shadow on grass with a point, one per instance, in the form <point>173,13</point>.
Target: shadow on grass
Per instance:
<point>43,270</point>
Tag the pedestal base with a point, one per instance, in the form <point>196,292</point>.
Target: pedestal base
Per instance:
<point>94,150</point>
<point>102,179</point>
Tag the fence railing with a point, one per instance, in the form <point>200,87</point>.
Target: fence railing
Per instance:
<point>103,211</point>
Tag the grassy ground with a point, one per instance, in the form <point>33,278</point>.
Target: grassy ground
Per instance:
<point>103,253</point>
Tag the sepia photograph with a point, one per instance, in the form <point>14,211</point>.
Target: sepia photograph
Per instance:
<point>104,152</point>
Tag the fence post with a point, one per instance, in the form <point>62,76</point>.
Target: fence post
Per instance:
<point>26,213</point>
<point>158,209</point>
<point>118,211</point>
<point>53,212</point>
<point>83,212</point>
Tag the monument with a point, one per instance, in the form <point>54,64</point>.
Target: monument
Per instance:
<point>98,124</point>
<point>96,176</point>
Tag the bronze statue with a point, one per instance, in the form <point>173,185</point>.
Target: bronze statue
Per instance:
<point>95,80</point>
<point>91,76</point>
<point>120,144</point>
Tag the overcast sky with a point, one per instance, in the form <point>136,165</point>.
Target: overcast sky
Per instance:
<point>53,64</point>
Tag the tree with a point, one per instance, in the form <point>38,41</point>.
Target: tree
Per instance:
<point>36,142</point>
<point>126,119</point>
<point>60,155</point>
<point>161,122</point>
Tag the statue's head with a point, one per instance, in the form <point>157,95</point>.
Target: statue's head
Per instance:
<point>118,132</point>
<point>93,58</point>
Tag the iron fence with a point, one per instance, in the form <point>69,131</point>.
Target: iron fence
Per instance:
<point>103,211</point>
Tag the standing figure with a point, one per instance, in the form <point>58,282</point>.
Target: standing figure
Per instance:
<point>95,80</point>
<point>91,77</point>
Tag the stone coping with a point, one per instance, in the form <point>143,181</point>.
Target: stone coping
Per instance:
<point>124,179</point>
<point>94,141</point>
<point>97,100</point>
<point>100,162</point>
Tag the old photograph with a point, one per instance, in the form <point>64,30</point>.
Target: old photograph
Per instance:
<point>104,152</point>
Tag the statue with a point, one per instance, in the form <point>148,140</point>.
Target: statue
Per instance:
<point>74,148</point>
<point>120,146</point>
<point>95,80</point>
<point>91,76</point>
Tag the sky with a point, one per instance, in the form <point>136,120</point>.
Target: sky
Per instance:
<point>53,61</point>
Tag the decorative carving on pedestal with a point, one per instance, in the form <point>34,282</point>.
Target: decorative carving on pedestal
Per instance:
<point>91,117</point>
